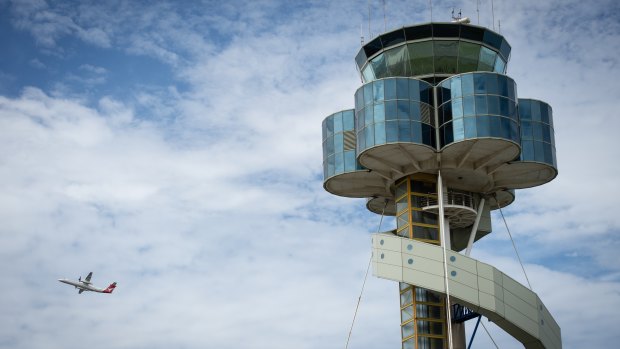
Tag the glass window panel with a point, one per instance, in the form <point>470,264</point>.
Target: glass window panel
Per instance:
<point>458,129</point>
<point>425,233</point>
<point>470,128</point>
<point>402,88</point>
<point>409,343</point>
<point>491,84</point>
<point>423,187</point>
<point>468,106</point>
<point>430,327</point>
<point>391,131</point>
<point>467,84</point>
<point>378,65</point>
<point>404,233</point>
<point>535,111</point>
<point>377,90</point>
<point>337,122</point>
<point>369,114</point>
<point>504,106</point>
<point>339,162</point>
<point>425,93</point>
<point>404,131</point>
<point>397,60</point>
<point>414,110</point>
<point>369,136</point>
<point>424,217</point>
<point>331,165</point>
<point>544,113</point>
<point>348,120</point>
<point>527,150</point>
<point>482,126</point>
<point>402,203</point>
<point>500,65</point>
<point>338,142</point>
<point>546,133</point>
<point>360,119</point>
<point>512,91</point>
<point>349,161</point>
<point>538,132</point>
<point>416,132</point>
<point>506,129</point>
<point>487,60</point>
<point>526,129</point>
<point>539,152</point>
<point>368,74</point>
<point>525,109</point>
<point>514,131</point>
<point>403,285</point>
<point>430,343</point>
<point>329,144</point>
<point>493,105</point>
<point>446,53</point>
<point>448,135</point>
<point>380,133</point>
<point>401,190</point>
<point>368,94</point>
<point>455,87</point>
<point>502,85</point>
<point>408,331</point>
<point>361,140</point>
<point>390,110</point>
<point>457,108</point>
<point>403,110</point>
<point>422,295</point>
<point>421,57</point>
<point>428,311</point>
<point>495,125</point>
<point>480,83</point>
<point>359,99</point>
<point>414,90</point>
<point>481,105</point>
<point>379,112</point>
<point>548,155</point>
<point>390,89</point>
<point>406,314</point>
<point>468,57</point>
<point>329,126</point>
<point>425,113</point>
<point>406,298</point>
<point>428,135</point>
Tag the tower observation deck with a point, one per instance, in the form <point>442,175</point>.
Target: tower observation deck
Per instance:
<point>438,138</point>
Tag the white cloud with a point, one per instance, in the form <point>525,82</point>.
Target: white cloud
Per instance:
<point>204,202</point>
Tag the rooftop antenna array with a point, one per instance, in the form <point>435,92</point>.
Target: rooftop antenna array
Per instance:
<point>459,18</point>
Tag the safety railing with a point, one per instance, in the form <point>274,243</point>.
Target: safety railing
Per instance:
<point>457,198</point>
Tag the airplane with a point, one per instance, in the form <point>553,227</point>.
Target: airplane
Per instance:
<point>86,285</point>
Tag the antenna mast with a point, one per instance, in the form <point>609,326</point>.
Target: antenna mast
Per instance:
<point>384,20</point>
<point>493,14</point>
<point>431,5</point>
<point>478,10</point>
<point>369,32</point>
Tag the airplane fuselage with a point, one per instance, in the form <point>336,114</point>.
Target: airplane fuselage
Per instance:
<point>86,286</point>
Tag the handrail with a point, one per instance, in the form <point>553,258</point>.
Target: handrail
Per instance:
<point>456,198</point>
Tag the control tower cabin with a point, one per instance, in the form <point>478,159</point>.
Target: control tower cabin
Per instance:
<point>438,138</point>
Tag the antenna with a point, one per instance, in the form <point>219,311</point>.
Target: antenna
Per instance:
<point>362,34</point>
<point>369,32</point>
<point>499,25</point>
<point>478,10</point>
<point>384,20</point>
<point>459,18</point>
<point>431,6</point>
<point>493,14</point>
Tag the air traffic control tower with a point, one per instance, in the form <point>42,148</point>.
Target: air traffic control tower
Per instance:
<point>438,138</point>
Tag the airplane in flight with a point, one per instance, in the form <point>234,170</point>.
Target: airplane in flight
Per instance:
<point>86,285</point>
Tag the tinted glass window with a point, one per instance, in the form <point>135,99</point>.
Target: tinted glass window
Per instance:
<point>390,89</point>
<point>397,60</point>
<point>373,47</point>
<point>378,66</point>
<point>402,88</point>
<point>418,32</point>
<point>492,39</point>
<point>360,59</point>
<point>467,83</point>
<point>390,110</point>
<point>393,38</point>
<point>421,57</point>
<point>368,74</point>
<point>446,53</point>
<point>486,61</point>
<point>468,57</point>
<point>377,90</point>
<point>446,30</point>
<point>455,87</point>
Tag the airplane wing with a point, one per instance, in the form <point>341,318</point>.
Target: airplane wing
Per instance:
<point>89,276</point>
<point>81,290</point>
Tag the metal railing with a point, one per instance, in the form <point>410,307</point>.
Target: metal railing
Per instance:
<point>457,198</point>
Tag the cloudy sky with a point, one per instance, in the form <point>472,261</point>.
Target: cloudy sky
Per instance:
<point>175,148</point>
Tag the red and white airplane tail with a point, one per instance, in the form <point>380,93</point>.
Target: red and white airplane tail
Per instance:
<point>110,288</point>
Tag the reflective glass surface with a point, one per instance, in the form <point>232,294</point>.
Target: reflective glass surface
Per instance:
<point>394,110</point>
<point>478,105</point>
<point>339,143</point>
<point>537,135</point>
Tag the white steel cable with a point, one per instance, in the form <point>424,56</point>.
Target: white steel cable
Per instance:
<point>359,299</point>
<point>488,333</point>
<point>513,244</point>
<point>442,236</point>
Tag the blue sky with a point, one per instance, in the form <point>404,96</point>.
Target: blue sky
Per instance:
<point>176,148</point>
